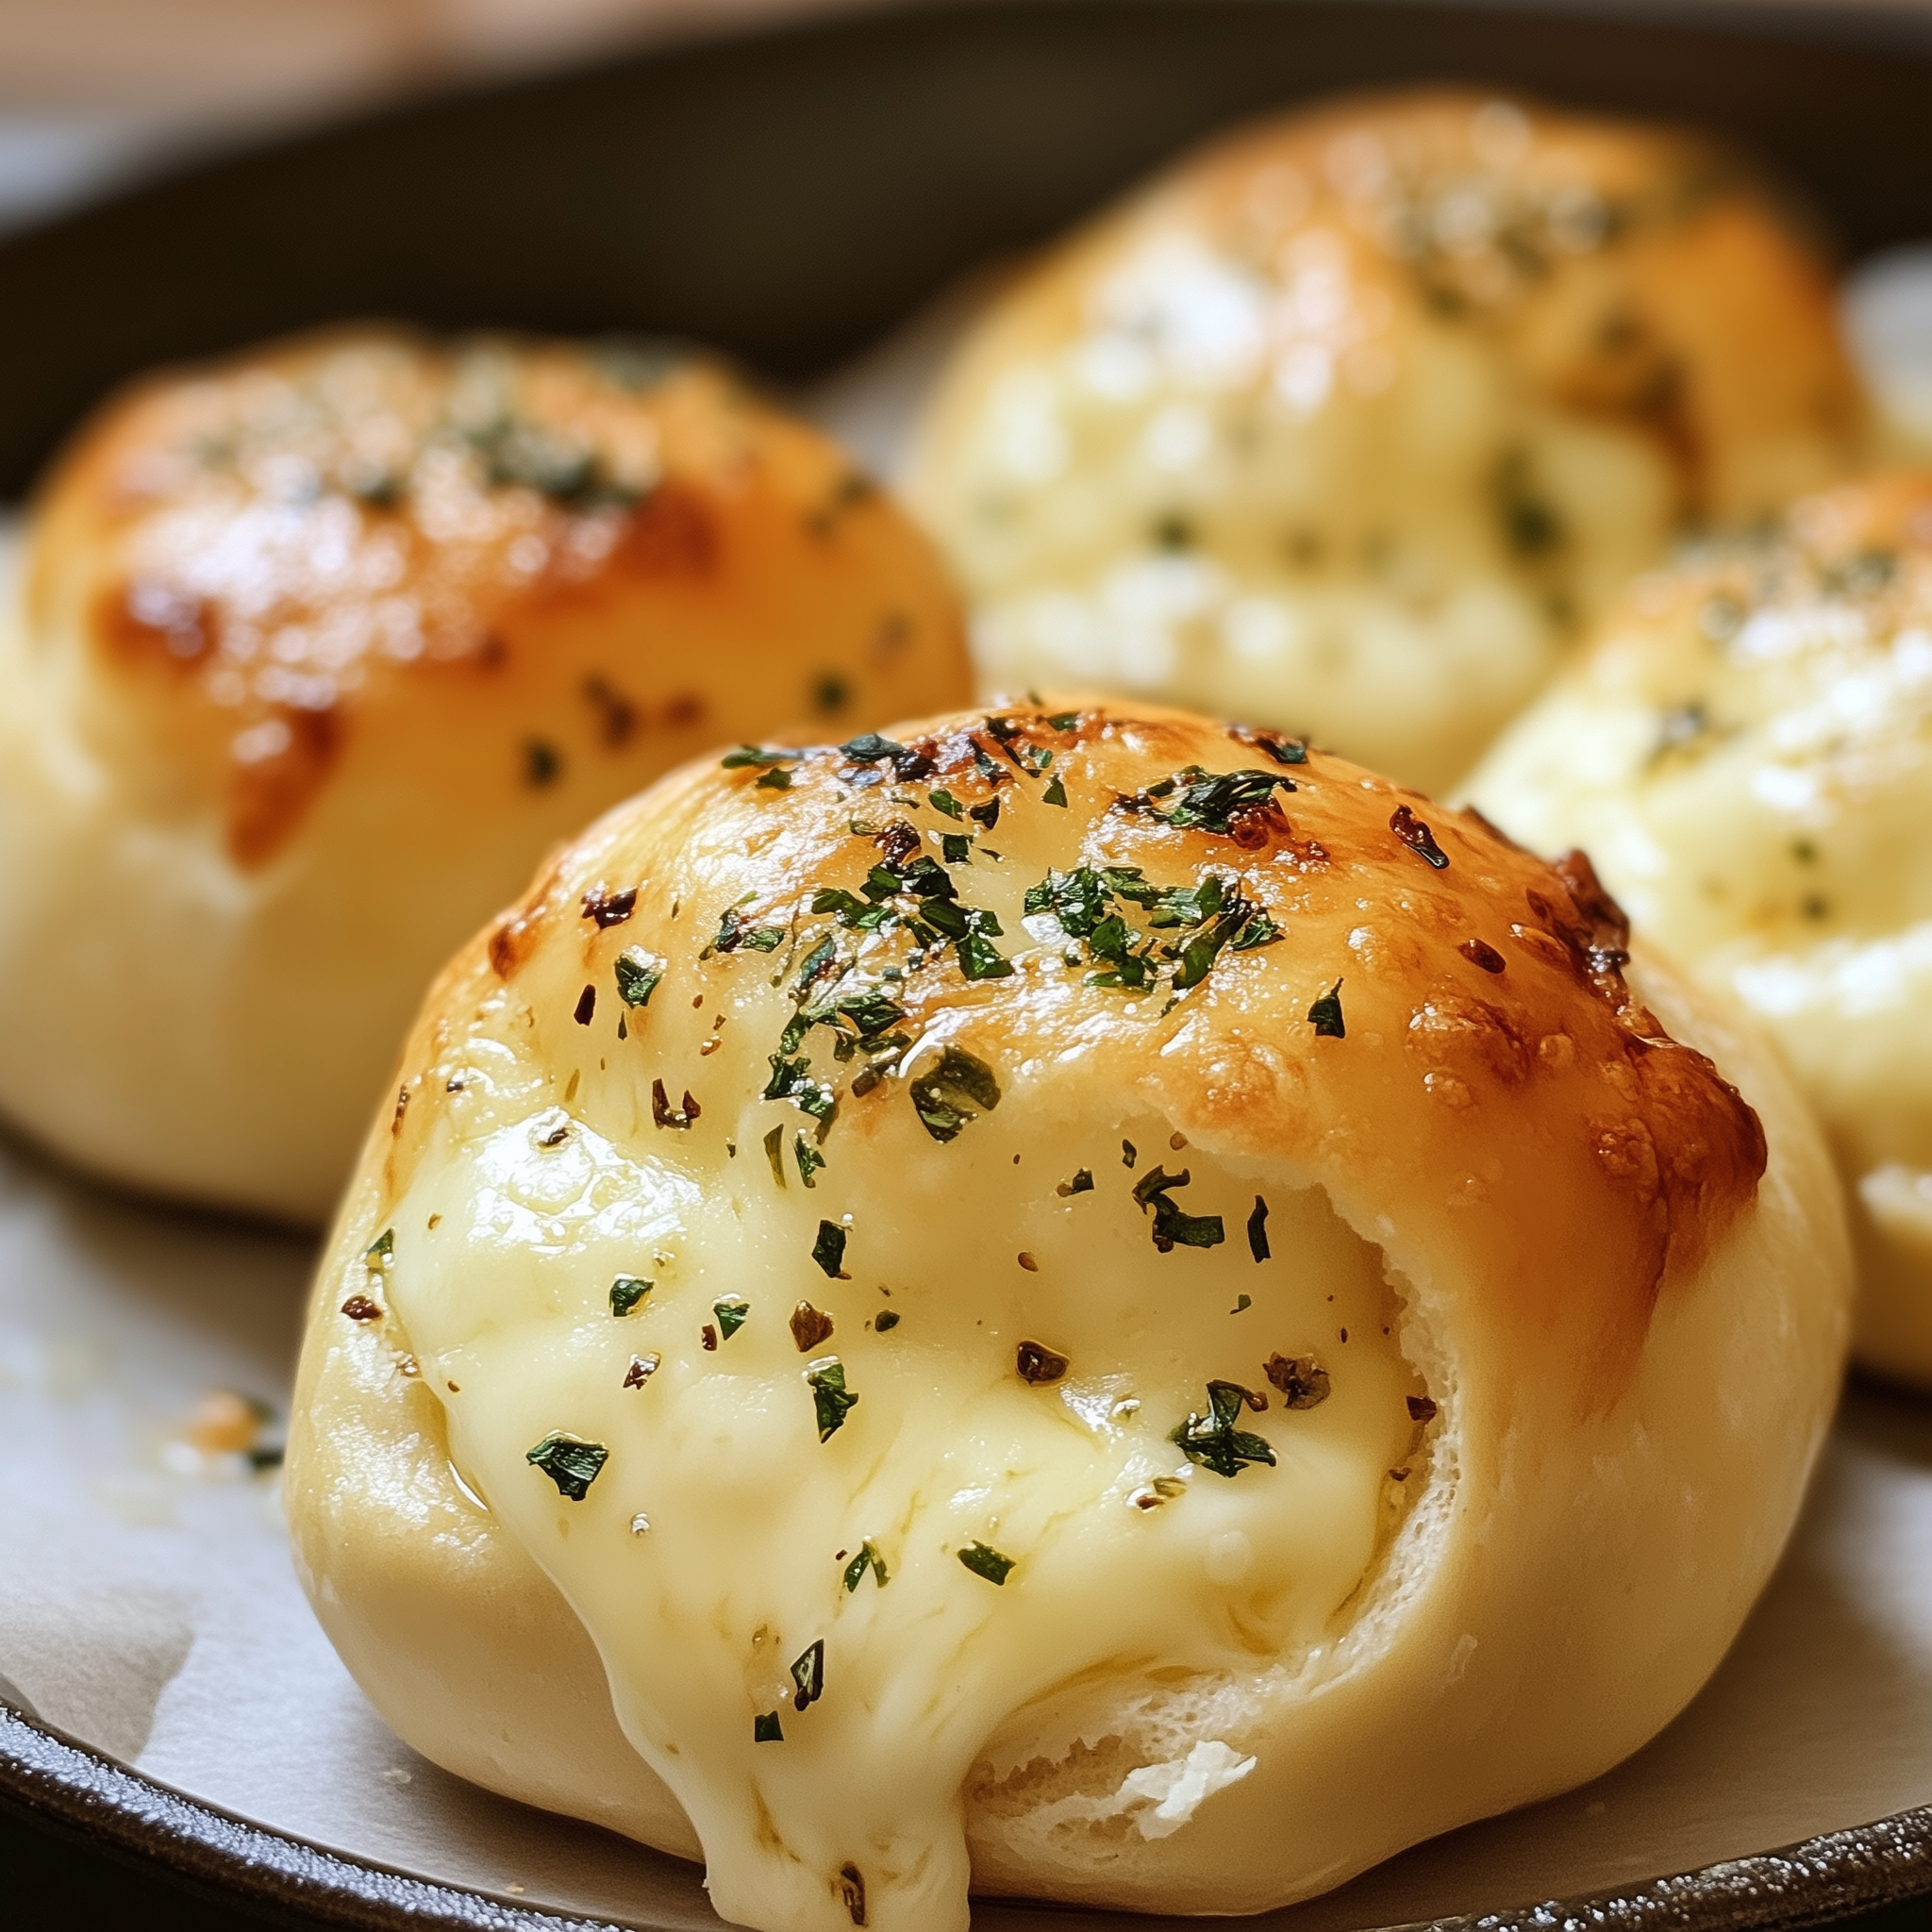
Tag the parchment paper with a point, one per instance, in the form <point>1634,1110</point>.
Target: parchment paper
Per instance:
<point>147,1606</point>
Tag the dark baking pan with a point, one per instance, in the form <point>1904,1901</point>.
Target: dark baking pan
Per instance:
<point>788,195</point>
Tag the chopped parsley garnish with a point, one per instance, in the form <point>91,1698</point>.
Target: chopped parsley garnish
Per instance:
<point>1055,793</point>
<point>1039,1363</point>
<point>733,932</point>
<point>984,1560</point>
<point>1417,837</point>
<point>1213,908</point>
<point>586,1008</point>
<point>1082,1183</point>
<point>776,779</point>
<point>1325,1016</point>
<point>809,1159</point>
<point>775,1154</point>
<point>886,1317</point>
<point>730,1309</point>
<point>953,1093</point>
<point>1216,802</point>
<point>809,1326</point>
<point>956,848</point>
<point>1214,1441</point>
<point>381,1251</point>
<point>1302,1380</point>
<point>945,801</point>
<point>792,1080</point>
<point>1172,1226</point>
<point>1243,1302</point>
<point>831,1400</point>
<point>568,1461</point>
<point>1129,1153</point>
<point>636,975</point>
<point>1257,1230</point>
<point>986,814</point>
<point>1064,720</point>
<point>829,1250</point>
<point>1282,749</point>
<point>867,1558</point>
<point>759,756</point>
<point>626,1292</point>
<point>809,1674</point>
<point>767,1729</point>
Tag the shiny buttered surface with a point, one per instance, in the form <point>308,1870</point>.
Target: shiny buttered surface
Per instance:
<point>321,648</point>
<point>1347,424</point>
<point>1070,1300</point>
<point>1747,753</point>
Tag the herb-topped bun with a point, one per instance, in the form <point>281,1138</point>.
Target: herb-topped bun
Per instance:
<point>320,650</point>
<point>1347,423</point>
<point>1074,1301</point>
<point>1747,751</point>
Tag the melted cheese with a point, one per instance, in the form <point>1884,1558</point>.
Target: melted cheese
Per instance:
<point>711,1550</point>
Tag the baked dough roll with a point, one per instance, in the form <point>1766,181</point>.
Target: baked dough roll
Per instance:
<point>1747,752</point>
<point>1076,1302</point>
<point>321,648</point>
<point>1347,423</point>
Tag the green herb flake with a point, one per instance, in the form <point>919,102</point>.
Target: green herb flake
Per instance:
<point>956,848</point>
<point>1282,749</point>
<point>765,938</point>
<point>626,1292</point>
<point>1325,1016</point>
<point>945,801</point>
<point>809,1159</point>
<point>1302,1380</point>
<point>750,755</point>
<point>1129,1153</point>
<point>730,1312</point>
<point>1172,1226</point>
<point>1257,1230</point>
<point>638,975</point>
<point>984,1560</point>
<point>1217,801</point>
<point>809,1674</point>
<point>1055,793</point>
<point>1214,1441</point>
<point>776,779</point>
<point>867,1558</point>
<point>1082,1183</point>
<point>831,1400</point>
<point>1243,1302</point>
<point>381,1251</point>
<point>885,1319</point>
<point>829,1250</point>
<point>767,1729</point>
<point>1259,931</point>
<point>774,1153</point>
<point>953,1092</point>
<point>568,1461</point>
<point>1064,720</point>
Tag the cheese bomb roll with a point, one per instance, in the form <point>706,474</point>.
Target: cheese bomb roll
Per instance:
<point>1747,751</point>
<point>1348,421</point>
<point>1032,1303</point>
<point>321,648</point>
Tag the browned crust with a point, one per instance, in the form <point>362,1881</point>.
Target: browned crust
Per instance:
<point>1527,1124</point>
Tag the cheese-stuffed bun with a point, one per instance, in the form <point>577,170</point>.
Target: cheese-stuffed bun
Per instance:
<point>1348,421</point>
<point>321,648</point>
<point>1747,752</point>
<point>1072,1301</point>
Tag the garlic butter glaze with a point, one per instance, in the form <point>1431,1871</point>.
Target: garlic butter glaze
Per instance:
<point>321,647</point>
<point>1350,422</point>
<point>1070,1300</point>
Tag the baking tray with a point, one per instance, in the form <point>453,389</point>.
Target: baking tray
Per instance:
<point>793,196</point>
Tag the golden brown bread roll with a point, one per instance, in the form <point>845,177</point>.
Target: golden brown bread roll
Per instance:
<point>320,647</point>
<point>1747,750</point>
<point>1346,422</point>
<point>1077,1301</point>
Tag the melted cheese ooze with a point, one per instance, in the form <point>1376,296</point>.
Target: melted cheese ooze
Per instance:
<point>711,1550</point>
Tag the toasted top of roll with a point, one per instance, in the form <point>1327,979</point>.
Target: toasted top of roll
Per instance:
<point>332,641</point>
<point>1050,1288</point>
<point>1747,751</point>
<point>1350,419</point>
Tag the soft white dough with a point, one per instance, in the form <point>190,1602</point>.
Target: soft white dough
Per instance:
<point>1575,1355</point>
<point>1746,754</point>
